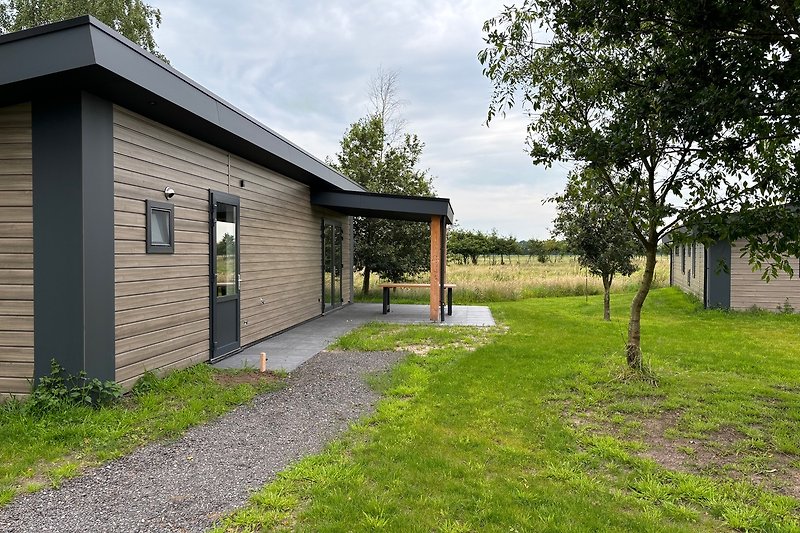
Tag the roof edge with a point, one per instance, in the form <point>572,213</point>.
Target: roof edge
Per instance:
<point>93,24</point>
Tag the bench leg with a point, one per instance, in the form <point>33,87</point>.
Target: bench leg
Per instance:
<point>385,300</point>
<point>450,301</point>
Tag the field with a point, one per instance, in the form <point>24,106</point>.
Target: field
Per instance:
<point>537,426</point>
<point>521,277</point>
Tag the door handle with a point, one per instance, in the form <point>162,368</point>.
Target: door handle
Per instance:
<point>238,283</point>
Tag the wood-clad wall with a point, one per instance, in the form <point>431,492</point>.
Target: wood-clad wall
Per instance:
<point>162,303</point>
<point>749,290</point>
<point>16,251</point>
<point>690,277</point>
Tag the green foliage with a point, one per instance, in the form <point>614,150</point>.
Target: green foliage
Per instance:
<point>597,231</point>
<point>683,111</point>
<point>466,245</point>
<point>59,389</point>
<point>536,430</point>
<point>368,156</point>
<point>134,19</point>
<point>543,249</point>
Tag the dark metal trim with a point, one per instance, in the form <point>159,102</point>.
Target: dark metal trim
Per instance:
<point>215,197</point>
<point>150,247</point>
<point>719,279</point>
<point>352,259</point>
<point>442,265</point>
<point>334,223</point>
<point>73,234</point>
<point>390,206</point>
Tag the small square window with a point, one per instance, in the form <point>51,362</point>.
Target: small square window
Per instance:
<point>160,227</point>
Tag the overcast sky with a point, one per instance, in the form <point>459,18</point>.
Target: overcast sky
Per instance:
<point>303,68</point>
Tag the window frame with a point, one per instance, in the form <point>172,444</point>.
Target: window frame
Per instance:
<point>150,247</point>
<point>683,259</point>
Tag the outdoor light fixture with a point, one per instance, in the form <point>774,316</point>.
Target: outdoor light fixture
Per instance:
<point>169,192</point>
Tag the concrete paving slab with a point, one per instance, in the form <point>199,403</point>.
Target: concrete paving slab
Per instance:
<point>288,350</point>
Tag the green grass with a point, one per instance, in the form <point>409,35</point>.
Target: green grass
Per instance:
<point>540,428</point>
<point>44,450</point>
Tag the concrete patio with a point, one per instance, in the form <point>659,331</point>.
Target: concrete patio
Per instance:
<point>288,350</point>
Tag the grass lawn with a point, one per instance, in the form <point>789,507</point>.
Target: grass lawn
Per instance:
<point>521,277</point>
<point>42,450</point>
<point>540,428</point>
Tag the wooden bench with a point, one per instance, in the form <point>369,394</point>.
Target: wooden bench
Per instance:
<point>387,286</point>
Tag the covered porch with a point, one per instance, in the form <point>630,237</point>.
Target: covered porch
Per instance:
<point>436,211</point>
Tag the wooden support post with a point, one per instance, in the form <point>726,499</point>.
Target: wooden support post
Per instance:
<point>436,273</point>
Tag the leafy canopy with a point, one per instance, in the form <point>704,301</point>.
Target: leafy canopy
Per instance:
<point>684,110</point>
<point>676,108</point>
<point>134,19</point>
<point>393,249</point>
<point>593,229</point>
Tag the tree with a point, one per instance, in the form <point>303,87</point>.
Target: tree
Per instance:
<point>677,123</point>
<point>595,230</point>
<point>132,18</point>
<point>375,154</point>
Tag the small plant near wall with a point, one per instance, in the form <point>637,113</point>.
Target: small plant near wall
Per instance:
<point>786,308</point>
<point>60,388</point>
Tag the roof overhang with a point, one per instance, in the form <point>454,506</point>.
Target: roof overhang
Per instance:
<point>391,206</point>
<point>85,54</point>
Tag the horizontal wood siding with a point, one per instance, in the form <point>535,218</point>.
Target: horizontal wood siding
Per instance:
<point>162,300</point>
<point>280,250</point>
<point>748,290</point>
<point>16,251</point>
<point>689,277</point>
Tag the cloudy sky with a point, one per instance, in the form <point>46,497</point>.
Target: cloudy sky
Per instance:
<point>303,69</point>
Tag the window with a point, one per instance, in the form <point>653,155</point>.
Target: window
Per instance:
<point>683,259</point>
<point>160,228</point>
<point>694,260</point>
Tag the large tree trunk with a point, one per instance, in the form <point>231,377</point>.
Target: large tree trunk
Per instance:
<point>634,347</point>
<point>607,278</point>
<point>365,284</point>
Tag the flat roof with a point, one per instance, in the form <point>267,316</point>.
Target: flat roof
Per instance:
<point>391,206</point>
<point>85,54</point>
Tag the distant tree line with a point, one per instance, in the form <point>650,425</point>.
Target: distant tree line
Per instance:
<point>467,246</point>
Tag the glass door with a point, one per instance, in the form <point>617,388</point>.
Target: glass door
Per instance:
<point>331,266</point>
<point>225,275</point>
<point>336,292</point>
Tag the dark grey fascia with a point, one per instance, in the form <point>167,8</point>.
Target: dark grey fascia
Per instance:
<point>84,54</point>
<point>396,207</point>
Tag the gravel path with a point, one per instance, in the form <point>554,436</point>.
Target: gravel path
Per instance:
<point>185,485</point>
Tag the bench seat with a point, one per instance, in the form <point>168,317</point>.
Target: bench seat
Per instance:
<point>387,293</point>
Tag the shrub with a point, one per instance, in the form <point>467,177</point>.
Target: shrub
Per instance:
<point>59,389</point>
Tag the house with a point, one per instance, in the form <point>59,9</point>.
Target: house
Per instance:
<point>146,224</point>
<point>697,269</point>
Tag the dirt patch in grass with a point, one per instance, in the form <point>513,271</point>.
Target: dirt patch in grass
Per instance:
<point>252,377</point>
<point>683,454</point>
<point>719,454</point>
